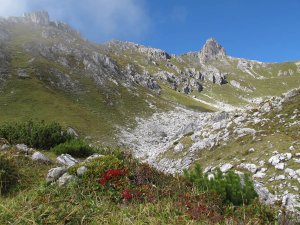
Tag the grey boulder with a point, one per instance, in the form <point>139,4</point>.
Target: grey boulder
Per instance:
<point>38,156</point>
<point>65,179</point>
<point>5,147</point>
<point>55,173</point>
<point>66,160</point>
<point>81,170</point>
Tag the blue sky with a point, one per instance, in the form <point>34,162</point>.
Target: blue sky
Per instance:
<point>266,30</point>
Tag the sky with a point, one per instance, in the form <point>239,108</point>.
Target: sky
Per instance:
<point>264,30</point>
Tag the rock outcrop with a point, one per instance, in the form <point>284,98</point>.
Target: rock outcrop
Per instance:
<point>40,18</point>
<point>212,50</point>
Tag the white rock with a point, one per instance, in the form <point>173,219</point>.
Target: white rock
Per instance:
<point>297,154</point>
<point>219,125</point>
<point>81,170</point>
<point>291,173</point>
<point>251,150</point>
<point>292,148</point>
<point>5,147</point>
<point>239,119</point>
<point>263,170</point>
<point>226,167</point>
<point>208,169</point>
<point>55,173</point>
<point>280,177</point>
<point>274,160</point>
<point>296,188</point>
<point>22,147</point>
<point>66,179</point>
<point>92,157</point>
<point>66,160</point>
<point>280,166</point>
<point>297,160</point>
<point>298,172</point>
<point>264,195</point>
<point>287,156</point>
<point>179,147</point>
<point>259,175</point>
<point>211,176</point>
<point>266,108</point>
<point>72,132</point>
<point>38,156</point>
<point>244,131</point>
<point>290,202</point>
<point>248,166</point>
<point>202,144</point>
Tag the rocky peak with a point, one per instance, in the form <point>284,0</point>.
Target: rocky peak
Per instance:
<point>39,17</point>
<point>211,50</point>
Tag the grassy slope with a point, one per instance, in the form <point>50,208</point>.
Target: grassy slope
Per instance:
<point>91,110</point>
<point>273,137</point>
<point>35,202</point>
<point>272,84</point>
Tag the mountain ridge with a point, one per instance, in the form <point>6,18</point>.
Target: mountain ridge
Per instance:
<point>52,55</point>
<point>168,110</point>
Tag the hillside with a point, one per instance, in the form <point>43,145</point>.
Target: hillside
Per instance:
<point>171,112</point>
<point>88,86</point>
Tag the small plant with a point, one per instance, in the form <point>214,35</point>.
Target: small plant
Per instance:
<point>201,206</point>
<point>127,194</point>
<point>96,167</point>
<point>228,186</point>
<point>74,147</point>
<point>110,175</point>
<point>8,175</point>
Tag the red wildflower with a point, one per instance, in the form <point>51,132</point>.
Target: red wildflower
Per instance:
<point>126,194</point>
<point>110,174</point>
<point>102,181</point>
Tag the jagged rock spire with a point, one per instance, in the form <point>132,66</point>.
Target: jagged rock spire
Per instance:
<point>211,50</point>
<point>39,17</point>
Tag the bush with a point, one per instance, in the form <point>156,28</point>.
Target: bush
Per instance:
<point>96,167</point>
<point>8,175</point>
<point>74,147</point>
<point>228,186</point>
<point>35,134</point>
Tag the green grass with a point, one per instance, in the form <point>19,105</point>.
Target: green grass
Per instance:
<point>183,99</point>
<point>87,202</point>
<point>92,110</point>
<point>273,136</point>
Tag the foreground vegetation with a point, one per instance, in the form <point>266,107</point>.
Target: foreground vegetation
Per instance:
<point>117,189</point>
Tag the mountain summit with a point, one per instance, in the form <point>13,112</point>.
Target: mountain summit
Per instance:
<point>211,50</point>
<point>39,17</point>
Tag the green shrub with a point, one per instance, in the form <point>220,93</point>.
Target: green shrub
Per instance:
<point>8,175</point>
<point>96,167</point>
<point>34,134</point>
<point>74,147</point>
<point>228,186</point>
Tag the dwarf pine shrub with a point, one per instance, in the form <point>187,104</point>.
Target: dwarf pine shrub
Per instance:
<point>8,175</point>
<point>228,186</point>
<point>74,147</point>
<point>36,134</point>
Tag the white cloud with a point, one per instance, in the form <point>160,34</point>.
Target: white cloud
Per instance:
<point>106,18</point>
<point>12,7</point>
<point>118,16</point>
